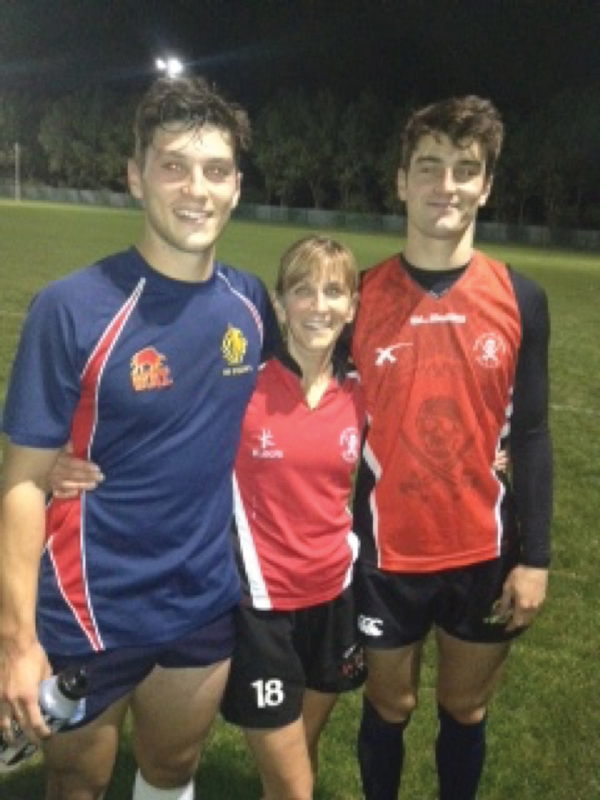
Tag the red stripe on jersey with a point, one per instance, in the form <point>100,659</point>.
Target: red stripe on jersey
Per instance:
<point>65,528</point>
<point>65,550</point>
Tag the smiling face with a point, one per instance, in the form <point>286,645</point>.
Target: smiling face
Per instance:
<point>443,188</point>
<point>314,312</point>
<point>188,185</point>
<point>315,297</point>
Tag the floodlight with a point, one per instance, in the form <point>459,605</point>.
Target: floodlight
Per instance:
<point>172,67</point>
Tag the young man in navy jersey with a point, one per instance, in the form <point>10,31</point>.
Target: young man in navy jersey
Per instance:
<point>452,348</point>
<point>145,362</point>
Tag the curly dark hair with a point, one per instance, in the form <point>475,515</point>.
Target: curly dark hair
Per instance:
<point>463,120</point>
<point>178,104</point>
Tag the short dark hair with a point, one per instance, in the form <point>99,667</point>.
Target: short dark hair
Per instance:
<point>188,103</point>
<point>463,120</point>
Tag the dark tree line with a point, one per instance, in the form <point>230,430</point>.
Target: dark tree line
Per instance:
<point>314,150</point>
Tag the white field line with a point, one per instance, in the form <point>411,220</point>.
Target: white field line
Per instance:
<point>577,409</point>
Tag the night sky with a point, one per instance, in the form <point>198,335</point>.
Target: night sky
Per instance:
<point>518,52</point>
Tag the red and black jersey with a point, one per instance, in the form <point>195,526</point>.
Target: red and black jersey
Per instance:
<point>292,483</point>
<point>439,376</point>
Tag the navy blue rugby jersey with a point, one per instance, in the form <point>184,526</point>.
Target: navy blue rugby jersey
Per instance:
<point>148,377</point>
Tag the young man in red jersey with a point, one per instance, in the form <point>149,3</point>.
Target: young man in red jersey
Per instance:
<point>452,347</point>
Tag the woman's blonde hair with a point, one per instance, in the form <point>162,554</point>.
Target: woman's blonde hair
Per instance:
<point>311,257</point>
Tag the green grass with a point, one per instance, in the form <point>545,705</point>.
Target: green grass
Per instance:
<point>545,721</point>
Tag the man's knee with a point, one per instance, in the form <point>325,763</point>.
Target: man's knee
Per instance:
<point>169,770</point>
<point>74,771</point>
<point>392,704</point>
<point>70,785</point>
<point>465,709</point>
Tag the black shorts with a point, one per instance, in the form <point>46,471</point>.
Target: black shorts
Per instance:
<point>111,674</point>
<point>279,654</point>
<point>399,609</point>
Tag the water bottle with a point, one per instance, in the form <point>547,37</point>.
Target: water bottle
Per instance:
<point>61,701</point>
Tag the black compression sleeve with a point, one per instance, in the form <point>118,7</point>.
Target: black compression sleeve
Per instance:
<point>530,443</point>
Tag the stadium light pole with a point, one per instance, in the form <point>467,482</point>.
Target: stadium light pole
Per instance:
<point>172,67</point>
<point>17,171</point>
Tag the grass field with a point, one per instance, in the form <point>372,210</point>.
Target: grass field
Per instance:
<point>544,733</point>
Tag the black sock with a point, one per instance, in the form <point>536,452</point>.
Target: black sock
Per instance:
<point>460,752</point>
<point>380,754</point>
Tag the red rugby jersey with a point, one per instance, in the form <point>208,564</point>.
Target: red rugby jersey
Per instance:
<point>437,373</point>
<point>292,484</point>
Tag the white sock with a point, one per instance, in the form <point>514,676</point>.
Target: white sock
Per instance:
<point>143,791</point>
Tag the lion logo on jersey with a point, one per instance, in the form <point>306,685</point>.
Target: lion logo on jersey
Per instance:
<point>149,370</point>
<point>233,346</point>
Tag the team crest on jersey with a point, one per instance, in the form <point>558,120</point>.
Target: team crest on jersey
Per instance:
<point>149,370</point>
<point>349,441</point>
<point>489,350</point>
<point>233,350</point>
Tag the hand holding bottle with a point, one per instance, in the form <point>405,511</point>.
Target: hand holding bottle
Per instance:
<point>60,702</point>
<point>23,666</point>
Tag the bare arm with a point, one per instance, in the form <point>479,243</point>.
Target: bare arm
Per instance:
<point>23,663</point>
